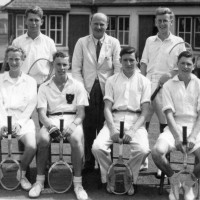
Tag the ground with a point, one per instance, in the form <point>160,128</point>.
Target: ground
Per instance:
<point>147,186</point>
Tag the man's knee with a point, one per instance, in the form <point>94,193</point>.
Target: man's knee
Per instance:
<point>159,150</point>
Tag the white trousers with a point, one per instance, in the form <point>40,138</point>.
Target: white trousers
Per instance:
<point>139,149</point>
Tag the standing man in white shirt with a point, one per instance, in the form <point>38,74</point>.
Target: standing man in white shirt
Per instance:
<point>181,105</point>
<point>35,44</point>
<point>127,98</point>
<point>154,61</point>
<point>95,58</point>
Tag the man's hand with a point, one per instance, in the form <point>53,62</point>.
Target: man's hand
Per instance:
<point>116,139</point>
<point>55,133</point>
<point>16,129</point>
<point>69,130</point>
<point>164,78</point>
<point>4,131</point>
<point>179,144</point>
<point>191,142</point>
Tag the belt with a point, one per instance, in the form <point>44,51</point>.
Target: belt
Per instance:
<point>63,113</point>
<point>131,111</point>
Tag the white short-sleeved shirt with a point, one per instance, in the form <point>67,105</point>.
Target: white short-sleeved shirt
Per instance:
<point>156,53</point>
<point>41,47</point>
<point>127,93</point>
<point>17,99</point>
<point>184,102</point>
<point>50,97</point>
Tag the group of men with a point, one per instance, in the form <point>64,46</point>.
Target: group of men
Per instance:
<point>105,88</point>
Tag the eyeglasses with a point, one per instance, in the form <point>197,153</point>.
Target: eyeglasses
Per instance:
<point>164,21</point>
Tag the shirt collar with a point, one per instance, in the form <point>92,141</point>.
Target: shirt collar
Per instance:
<point>69,80</point>
<point>27,36</point>
<point>96,40</point>
<point>175,78</point>
<point>169,37</point>
<point>9,79</point>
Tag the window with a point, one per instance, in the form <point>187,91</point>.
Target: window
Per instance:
<point>189,29</point>
<point>56,28</point>
<point>119,28</point>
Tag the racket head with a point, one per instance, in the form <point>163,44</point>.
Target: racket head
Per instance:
<point>10,174</point>
<point>175,51</point>
<point>119,178</point>
<point>42,65</point>
<point>60,177</point>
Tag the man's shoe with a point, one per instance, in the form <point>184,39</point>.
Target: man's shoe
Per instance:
<point>108,189</point>
<point>25,184</point>
<point>131,191</point>
<point>175,188</point>
<point>36,190</point>
<point>171,195</point>
<point>80,193</point>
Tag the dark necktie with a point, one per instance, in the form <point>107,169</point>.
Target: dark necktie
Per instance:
<point>98,49</point>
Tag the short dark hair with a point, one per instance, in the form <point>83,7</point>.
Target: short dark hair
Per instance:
<point>34,10</point>
<point>186,54</point>
<point>128,50</point>
<point>15,49</point>
<point>163,11</point>
<point>59,54</point>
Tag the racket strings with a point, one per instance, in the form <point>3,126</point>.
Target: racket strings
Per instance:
<point>60,177</point>
<point>10,175</point>
<point>119,179</point>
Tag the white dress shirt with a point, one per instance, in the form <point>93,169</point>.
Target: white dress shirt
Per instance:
<point>17,98</point>
<point>41,47</point>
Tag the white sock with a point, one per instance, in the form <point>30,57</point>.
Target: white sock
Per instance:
<point>77,180</point>
<point>40,179</point>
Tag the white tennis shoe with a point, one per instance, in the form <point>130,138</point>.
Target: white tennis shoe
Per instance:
<point>36,190</point>
<point>80,193</point>
<point>190,193</point>
<point>25,184</point>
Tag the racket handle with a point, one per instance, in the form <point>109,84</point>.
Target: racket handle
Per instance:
<point>9,121</point>
<point>155,92</point>
<point>184,135</point>
<point>121,133</point>
<point>61,125</point>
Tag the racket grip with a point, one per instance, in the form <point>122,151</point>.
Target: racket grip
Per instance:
<point>155,92</point>
<point>121,133</point>
<point>61,125</point>
<point>9,121</point>
<point>184,135</point>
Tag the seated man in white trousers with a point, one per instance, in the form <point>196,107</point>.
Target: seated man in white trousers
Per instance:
<point>127,98</point>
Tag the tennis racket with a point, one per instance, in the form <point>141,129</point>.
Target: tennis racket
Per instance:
<point>10,170</point>
<point>175,51</point>
<point>119,175</point>
<point>184,178</point>
<point>60,174</point>
<point>42,65</point>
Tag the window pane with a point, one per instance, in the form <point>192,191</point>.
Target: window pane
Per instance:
<point>181,25</point>
<point>121,23</point>
<point>20,22</point>
<point>59,23</point>
<point>113,23</point>
<point>53,22</point>
<point>19,32</point>
<point>126,23</point>
<point>121,37</point>
<point>44,23</point>
<point>58,38</point>
<point>181,35</point>
<point>187,38</point>
<point>188,24</point>
<point>197,40</point>
<point>126,38</point>
<point>113,33</point>
<point>52,35</point>
<point>197,24</point>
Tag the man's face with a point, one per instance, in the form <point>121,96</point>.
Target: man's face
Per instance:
<point>185,66</point>
<point>99,25</point>
<point>33,22</point>
<point>128,62</point>
<point>61,66</point>
<point>163,23</point>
